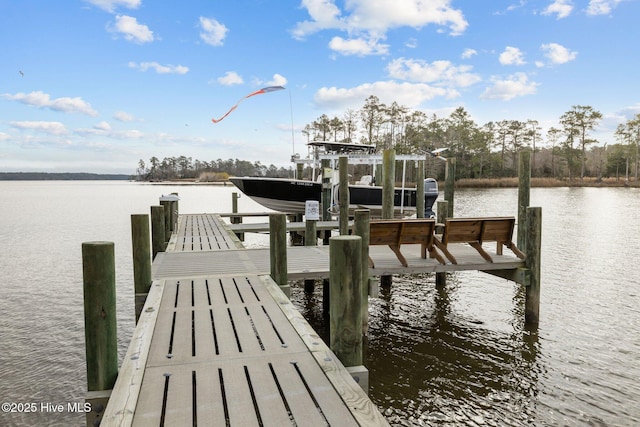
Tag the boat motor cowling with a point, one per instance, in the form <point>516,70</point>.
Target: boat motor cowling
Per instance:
<point>430,196</point>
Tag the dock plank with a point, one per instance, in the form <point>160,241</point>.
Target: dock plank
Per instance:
<point>219,343</point>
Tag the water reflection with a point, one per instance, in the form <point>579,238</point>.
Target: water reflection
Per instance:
<point>431,363</point>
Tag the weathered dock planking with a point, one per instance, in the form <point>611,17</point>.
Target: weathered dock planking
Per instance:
<point>228,348</point>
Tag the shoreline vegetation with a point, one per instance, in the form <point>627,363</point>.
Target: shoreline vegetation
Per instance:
<point>223,179</point>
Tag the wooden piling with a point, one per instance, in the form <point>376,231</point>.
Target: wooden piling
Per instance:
<point>141,248</point>
<point>157,229</point>
<point>278,250</point>
<point>524,195</point>
<point>388,187</point>
<point>310,239</point>
<point>236,219</point>
<point>362,229</point>
<point>325,203</point>
<point>167,220</point>
<point>442,208</point>
<point>450,180</point>
<point>343,194</point>
<point>99,286</point>
<point>388,182</point>
<point>532,262</point>
<point>420,189</point>
<point>345,258</point>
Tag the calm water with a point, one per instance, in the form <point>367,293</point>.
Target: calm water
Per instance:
<point>460,356</point>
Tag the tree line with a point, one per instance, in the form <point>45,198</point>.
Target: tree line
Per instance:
<point>566,151</point>
<point>183,167</point>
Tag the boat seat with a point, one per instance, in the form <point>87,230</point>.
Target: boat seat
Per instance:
<point>365,180</point>
<point>395,233</point>
<point>475,231</point>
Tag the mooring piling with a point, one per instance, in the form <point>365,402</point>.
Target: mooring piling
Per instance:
<point>420,189</point>
<point>361,228</point>
<point>141,249</point>
<point>450,183</point>
<point>157,229</point>
<point>533,264</point>
<point>343,194</point>
<point>278,250</point>
<point>345,260</point>
<point>236,219</point>
<point>100,326</point>
<point>524,195</point>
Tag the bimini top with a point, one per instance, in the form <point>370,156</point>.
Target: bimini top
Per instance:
<point>343,147</point>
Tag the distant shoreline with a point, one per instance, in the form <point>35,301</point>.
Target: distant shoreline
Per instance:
<point>61,176</point>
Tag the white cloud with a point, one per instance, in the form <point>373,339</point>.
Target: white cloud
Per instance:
<point>213,32</point>
<point>561,8</point>
<point>123,116</point>
<point>366,20</point>
<point>111,5</point>
<point>511,56</point>
<point>131,30</point>
<point>51,128</point>
<point>104,126</point>
<point>277,80</point>
<point>4,136</point>
<point>438,72</point>
<point>159,68</point>
<point>42,100</point>
<point>516,85</point>
<point>408,94</point>
<point>558,54</point>
<point>358,46</point>
<point>230,78</point>
<point>468,53</point>
<point>602,7</point>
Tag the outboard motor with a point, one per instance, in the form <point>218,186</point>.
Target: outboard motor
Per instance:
<point>430,196</point>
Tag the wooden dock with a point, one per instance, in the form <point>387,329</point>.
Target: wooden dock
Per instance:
<point>218,343</point>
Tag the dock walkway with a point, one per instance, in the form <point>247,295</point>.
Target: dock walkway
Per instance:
<point>218,343</point>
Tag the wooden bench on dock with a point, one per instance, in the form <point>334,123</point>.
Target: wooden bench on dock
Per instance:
<point>476,231</point>
<point>395,233</point>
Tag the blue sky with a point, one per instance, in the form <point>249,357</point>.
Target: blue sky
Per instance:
<point>96,85</point>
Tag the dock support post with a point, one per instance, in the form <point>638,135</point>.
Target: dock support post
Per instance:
<point>167,220</point>
<point>100,327</point>
<point>450,180</point>
<point>388,186</point>
<point>343,194</point>
<point>157,229</point>
<point>310,239</point>
<point>532,263</point>
<point>524,192</point>
<point>236,219</point>
<point>345,270</point>
<point>326,196</point>
<point>278,250</point>
<point>420,189</point>
<point>388,182</point>
<point>141,248</point>
<point>441,215</point>
<point>362,229</point>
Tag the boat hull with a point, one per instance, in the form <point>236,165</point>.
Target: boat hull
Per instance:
<point>290,195</point>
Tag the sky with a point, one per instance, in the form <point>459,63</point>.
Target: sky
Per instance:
<point>97,85</point>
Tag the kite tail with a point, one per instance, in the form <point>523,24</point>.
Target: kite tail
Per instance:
<point>258,92</point>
